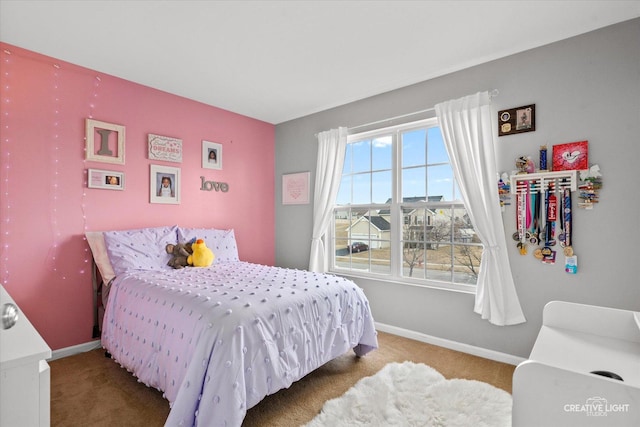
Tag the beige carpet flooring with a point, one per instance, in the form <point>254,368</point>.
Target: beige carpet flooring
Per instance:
<point>89,389</point>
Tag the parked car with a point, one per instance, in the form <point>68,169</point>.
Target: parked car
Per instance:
<point>358,247</point>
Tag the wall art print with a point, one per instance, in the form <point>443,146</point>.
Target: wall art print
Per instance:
<point>295,188</point>
<point>571,156</point>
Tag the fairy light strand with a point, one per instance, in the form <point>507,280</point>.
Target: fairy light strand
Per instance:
<point>5,149</point>
<point>83,206</point>
<point>55,166</point>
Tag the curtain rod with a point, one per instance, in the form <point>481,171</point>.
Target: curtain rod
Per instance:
<point>492,94</point>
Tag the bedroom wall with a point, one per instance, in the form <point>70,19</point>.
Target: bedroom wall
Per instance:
<point>586,87</point>
<point>46,206</point>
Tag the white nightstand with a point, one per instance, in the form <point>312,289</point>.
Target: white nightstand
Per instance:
<point>25,379</point>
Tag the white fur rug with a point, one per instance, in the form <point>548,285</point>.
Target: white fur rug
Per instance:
<point>413,394</point>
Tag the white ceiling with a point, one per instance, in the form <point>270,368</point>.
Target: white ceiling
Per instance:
<point>280,60</point>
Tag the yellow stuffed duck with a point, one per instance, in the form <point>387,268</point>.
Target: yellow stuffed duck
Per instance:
<point>202,255</point>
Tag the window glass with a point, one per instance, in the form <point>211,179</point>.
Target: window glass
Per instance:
<point>399,213</point>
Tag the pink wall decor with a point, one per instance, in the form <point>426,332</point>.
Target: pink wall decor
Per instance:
<point>295,188</point>
<point>46,205</point>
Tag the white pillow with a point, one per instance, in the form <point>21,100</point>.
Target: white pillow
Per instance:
<point>221,242</point>
<point>100,256</point>
<point>141,249</point>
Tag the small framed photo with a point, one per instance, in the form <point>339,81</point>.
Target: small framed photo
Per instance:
<point>165,148</point>
<point>211,155</point>
<point>295,188</point>
<point>164,185</point>
<point>107,180</point>
<point>517,120</point>
<point>105,142</point>
<point>571,156</point>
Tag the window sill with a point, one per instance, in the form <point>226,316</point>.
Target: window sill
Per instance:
<point>430,284</point>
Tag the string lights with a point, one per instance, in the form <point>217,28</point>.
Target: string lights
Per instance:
<point>92,105</point>
<point>55,159</point>
<point>59,201</point>
<point>5,150</point>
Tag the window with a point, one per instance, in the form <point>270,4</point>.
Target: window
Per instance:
<point>399,214</point>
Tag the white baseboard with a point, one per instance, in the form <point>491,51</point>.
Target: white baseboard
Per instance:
<point>452,345</point>
<point>74,349</point>
<point>418,336</point>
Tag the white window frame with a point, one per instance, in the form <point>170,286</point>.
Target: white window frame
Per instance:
<point>396,261</point>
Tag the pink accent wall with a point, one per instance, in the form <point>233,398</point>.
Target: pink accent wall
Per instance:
<point>46,207</point>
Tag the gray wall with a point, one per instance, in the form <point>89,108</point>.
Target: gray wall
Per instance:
<point>586,87</point>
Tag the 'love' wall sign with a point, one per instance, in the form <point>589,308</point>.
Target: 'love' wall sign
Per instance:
<point>213,185</point>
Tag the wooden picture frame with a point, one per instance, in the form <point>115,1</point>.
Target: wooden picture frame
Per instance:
<point>164,185</point>
<point>517,120</point>
<point>211,155</point>
<point>295,188</point>
<point>110,148</point>
<point>104,179</point>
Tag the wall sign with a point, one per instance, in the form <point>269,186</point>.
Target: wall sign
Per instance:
<point>213,185</point>
<point>105,142</point>
<point>165,148</point>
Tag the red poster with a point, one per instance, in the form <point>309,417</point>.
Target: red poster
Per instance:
<point>571,156</point>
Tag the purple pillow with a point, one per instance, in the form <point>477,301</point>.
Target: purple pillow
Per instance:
<point>142,249</point>
<point>221,242</point>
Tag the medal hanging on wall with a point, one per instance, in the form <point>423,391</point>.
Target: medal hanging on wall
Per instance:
<point>570,260</point>
<point>551,212</point>
<point>521,217</point>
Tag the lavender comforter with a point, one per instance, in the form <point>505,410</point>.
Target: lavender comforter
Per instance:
<point>218,340</point>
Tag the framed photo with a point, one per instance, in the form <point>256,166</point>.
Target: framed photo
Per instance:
<point>211,155</point>
<point>571,156</point>
<point>107,180</point>
<point>164,185</point>
<point>164,148</point>
<point>295,188</point>
<point>105,142</point>
<point>517,120</point>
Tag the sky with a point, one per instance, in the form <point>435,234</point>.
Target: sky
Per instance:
<point>367,173</point>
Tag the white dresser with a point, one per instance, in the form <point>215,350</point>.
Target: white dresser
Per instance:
<point>555,387</point>
<point>25,380</point>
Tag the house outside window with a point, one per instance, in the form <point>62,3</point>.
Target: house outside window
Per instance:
<point>399,215</point>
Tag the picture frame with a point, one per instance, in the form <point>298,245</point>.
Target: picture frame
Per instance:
<point>295,188</point>
<point>111,142</point>
<point>104,179</point>
<point>570,156</point>
<point>517,120</point>
<point>211,155</point>
<point>164,185</point>
<point>164,148</point>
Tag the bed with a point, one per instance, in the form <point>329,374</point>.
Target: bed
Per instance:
<point>217,340</point>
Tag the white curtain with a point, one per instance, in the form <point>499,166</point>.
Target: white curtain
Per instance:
<point>468,131</point>
<point>331,149</point>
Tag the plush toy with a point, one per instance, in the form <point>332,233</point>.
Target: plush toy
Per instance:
<point>202,255</point>
<point>180,253</point>
<point>525,165</point>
